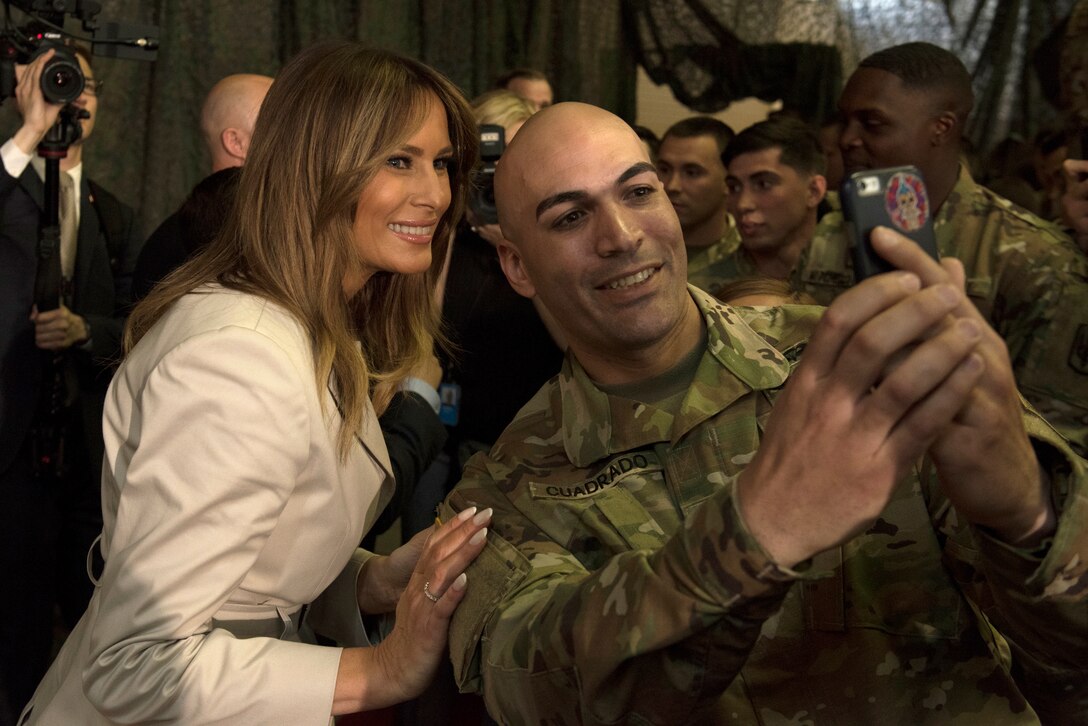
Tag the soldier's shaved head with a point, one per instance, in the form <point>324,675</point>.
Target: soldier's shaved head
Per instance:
<point>930,68</point>
<point>228,116</point>
<point>559,130</point>
<point>591,234</point>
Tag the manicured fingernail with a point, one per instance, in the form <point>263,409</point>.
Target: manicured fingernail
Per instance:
<point>460,583</point>
<point>478,537</point>
<point>482,516</point>
<point>910,282</point>
<point>975,363</point>
<point>464,514</point>
<point>948,294</point>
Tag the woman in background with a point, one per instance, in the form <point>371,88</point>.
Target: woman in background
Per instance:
<point>244,459</point>
<point>504,351</point>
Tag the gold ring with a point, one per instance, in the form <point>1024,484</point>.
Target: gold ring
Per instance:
<point>427,591</point>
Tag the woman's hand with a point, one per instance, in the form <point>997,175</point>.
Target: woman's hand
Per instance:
<point>492,233</point>
<point>383,579</point>
<point>405,662</point>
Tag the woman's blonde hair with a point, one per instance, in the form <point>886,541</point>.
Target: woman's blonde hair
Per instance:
<point>501,107</point>
<point>332,118</point>
<point>781,291</point>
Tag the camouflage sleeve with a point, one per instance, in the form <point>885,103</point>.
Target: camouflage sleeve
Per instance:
<point>1038,600</point>
<point>649,636</point>
<point>1041,311</point>
<point>1053,370</point>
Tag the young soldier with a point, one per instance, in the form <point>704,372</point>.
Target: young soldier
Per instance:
<point>776,183</point>
<point>689,162</point>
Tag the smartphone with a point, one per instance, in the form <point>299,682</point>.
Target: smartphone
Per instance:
<point>895,197</point>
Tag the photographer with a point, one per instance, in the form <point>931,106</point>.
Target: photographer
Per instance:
<point>51,515</point>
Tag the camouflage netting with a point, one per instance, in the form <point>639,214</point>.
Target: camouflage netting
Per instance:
<point>712,52</point>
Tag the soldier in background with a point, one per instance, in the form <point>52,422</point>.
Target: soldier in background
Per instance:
<point>908,105</point>
<point>667,549</point>
<point>776,183</point>
<point>689,162</point>
<point>530,84</point>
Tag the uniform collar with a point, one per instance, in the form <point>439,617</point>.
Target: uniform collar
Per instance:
<point>737,361</point>
<point>961,190</point>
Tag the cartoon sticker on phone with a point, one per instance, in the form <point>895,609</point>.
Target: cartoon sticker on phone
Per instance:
<point>906,202</point>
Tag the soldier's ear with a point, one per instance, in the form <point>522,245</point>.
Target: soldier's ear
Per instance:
<point>817,190</point>
<point>514,267</point>
<point>945,129</point>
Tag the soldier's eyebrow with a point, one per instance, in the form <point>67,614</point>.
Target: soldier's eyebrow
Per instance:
<point>642,167</point>
<point>560,198</point>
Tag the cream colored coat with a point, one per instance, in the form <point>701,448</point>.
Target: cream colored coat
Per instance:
<point>224,500</point>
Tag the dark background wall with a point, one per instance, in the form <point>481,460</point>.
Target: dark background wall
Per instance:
<point>147,146</point>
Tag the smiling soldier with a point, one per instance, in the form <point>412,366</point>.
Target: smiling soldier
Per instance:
<point>769,541</point>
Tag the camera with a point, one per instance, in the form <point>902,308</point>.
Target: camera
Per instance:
<point>867,186</point>
<point>482,201</point>
<point>62,78</point>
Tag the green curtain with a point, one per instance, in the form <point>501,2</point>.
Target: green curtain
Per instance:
<point>695,47</point>
<point>147,146</point>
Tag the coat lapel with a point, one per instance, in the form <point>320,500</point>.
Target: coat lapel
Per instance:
<point>372,441</point>
<point>32,185</point>
<point>88,232</point>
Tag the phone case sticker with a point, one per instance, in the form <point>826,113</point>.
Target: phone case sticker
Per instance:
<point>906,201</point>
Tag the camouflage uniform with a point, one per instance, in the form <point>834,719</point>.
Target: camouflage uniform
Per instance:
<point>701,266</point>
<point>1024,275</point>
<point>725,263</point>
<point>737,265</point>
<point>619,584</point>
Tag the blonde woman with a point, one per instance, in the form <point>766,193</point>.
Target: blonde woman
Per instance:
<point>244,459</point>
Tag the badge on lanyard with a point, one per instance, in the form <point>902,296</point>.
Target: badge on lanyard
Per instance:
<point>450,396</point>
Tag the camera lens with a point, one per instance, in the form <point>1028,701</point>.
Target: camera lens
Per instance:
<point>62,78</point>
<point>62,82</point>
